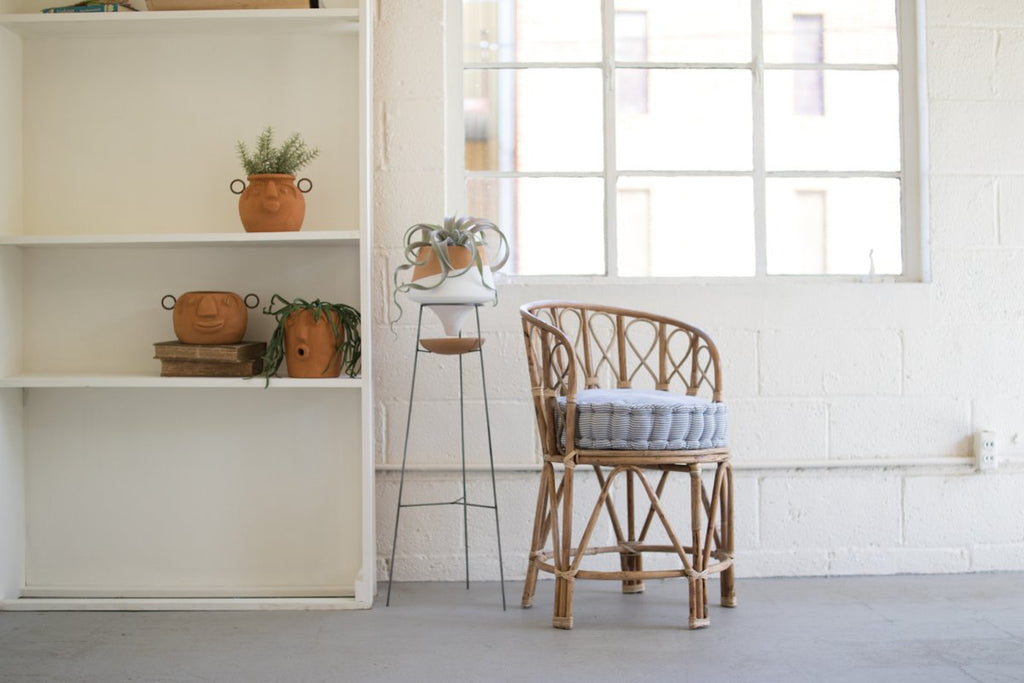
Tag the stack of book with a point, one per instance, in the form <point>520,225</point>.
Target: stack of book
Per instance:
<point>92,6</point>
<point>243,359</point>
<point>164,5</point>
<point>159,5</point>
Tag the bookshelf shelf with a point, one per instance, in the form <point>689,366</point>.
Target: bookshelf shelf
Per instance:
<point>120,24</point>
<point>113,381</point>
<point>309,238</point>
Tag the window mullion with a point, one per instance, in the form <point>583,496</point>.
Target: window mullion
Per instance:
<point>610,161</point>
<point>757,94</point>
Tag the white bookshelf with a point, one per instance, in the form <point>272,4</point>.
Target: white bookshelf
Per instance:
<point>121,489</point>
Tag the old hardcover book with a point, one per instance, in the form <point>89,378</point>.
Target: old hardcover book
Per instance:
<point>90,6</point>
<point>222,353</point>
<point>163,5</point>
<point>202,368</point>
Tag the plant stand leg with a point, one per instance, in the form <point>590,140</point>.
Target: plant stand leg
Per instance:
<point>463,500</point>
<point>405,454</point>
<point>490,456</point>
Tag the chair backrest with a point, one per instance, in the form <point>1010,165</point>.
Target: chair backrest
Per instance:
<point>572,346</point>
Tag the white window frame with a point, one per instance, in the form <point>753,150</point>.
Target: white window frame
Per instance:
<point>913,174</point>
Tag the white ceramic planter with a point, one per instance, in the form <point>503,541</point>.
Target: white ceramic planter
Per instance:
<point>454,299</point>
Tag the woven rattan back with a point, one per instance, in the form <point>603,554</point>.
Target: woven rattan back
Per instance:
<point>572,346</point>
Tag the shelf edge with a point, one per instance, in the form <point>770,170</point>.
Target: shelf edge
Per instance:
<point>34,25</point>
<point>212,239</point>
<point>179,604</point>
<point>38,381</point>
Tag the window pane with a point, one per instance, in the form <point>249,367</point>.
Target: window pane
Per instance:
<point>833,226</point>
<point>678,31</point>
<point>861,32</point>
<point>676,227</point>
<point>533,120</point>
<point>631,46</point>
<point>554,225</point>
<point>859,129</point>
<point>808,86</point>
<point>695,120</point>
<point>531,30</point>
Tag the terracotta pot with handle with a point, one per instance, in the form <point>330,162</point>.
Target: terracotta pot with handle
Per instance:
<point>209,317</point>
<point>271,202</point>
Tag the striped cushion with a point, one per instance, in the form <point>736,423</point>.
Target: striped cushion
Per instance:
<point>632,419</point>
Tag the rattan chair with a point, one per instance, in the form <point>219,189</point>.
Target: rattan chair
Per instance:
<point>618,390</point>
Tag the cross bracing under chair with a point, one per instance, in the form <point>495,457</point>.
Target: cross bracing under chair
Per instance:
<point>620,391</point>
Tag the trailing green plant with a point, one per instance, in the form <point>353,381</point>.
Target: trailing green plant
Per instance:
<point>424,240</point>
<point>289,158</point>
<point>345,327</point>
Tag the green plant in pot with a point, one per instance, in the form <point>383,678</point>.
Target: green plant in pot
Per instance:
<point>451,263</point>
<point>273,201</point>
<point>315,338</point>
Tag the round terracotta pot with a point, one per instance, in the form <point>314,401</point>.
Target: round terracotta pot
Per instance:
<point>271,202</point>
<point>309,346</point>
<point>210,318</point>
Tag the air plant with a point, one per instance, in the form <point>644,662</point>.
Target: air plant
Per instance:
<point>427,241</point>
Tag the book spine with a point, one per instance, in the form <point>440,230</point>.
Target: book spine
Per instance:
<point>214,353</point>
<point>84,8</point>
<point>198,368</point>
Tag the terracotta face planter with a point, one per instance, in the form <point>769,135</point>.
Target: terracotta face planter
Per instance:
<point>210,317</point>
<point>272,202</point>
<point>310,346</point>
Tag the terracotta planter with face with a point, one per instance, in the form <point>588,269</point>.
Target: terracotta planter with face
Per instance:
<point>310,346</point>
<point>271,202</point>
<point>210,318</point>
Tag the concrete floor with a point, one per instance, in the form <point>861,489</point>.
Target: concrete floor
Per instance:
<point>906,629</point>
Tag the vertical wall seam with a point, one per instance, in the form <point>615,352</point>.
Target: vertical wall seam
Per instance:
<point>828,430</point>
<point>903,362</point>
<point>996,48</point>
<point>758,379</point>
<point>998,214</point>
<point>901,539</point>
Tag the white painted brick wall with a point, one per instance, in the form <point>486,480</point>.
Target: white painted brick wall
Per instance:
<point>814,373</point>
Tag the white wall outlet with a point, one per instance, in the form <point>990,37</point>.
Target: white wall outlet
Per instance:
<point>985,455</point>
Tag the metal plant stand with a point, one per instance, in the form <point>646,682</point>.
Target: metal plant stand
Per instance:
<point>462,501</point>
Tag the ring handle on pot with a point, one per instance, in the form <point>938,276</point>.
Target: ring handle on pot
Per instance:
<point>309,185</point>
<point>163,302</point>
<point>254,296</point>
<point>232,186</point>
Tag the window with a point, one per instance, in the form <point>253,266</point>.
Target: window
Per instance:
<point>658,138</point>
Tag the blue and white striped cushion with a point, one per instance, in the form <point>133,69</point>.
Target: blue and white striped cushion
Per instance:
<point>633,419</point>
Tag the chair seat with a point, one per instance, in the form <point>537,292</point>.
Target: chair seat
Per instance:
<point>639,420</point>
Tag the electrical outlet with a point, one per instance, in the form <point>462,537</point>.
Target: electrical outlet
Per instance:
<point>985,456</point>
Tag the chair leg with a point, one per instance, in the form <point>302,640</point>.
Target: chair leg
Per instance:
<point>631,561</point>
<point>697,579</point>
<point>540,534</point>
<point>728,580</point>
<point>562,544</point>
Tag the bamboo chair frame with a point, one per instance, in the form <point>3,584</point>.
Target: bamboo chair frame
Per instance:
<point>572,346</point>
